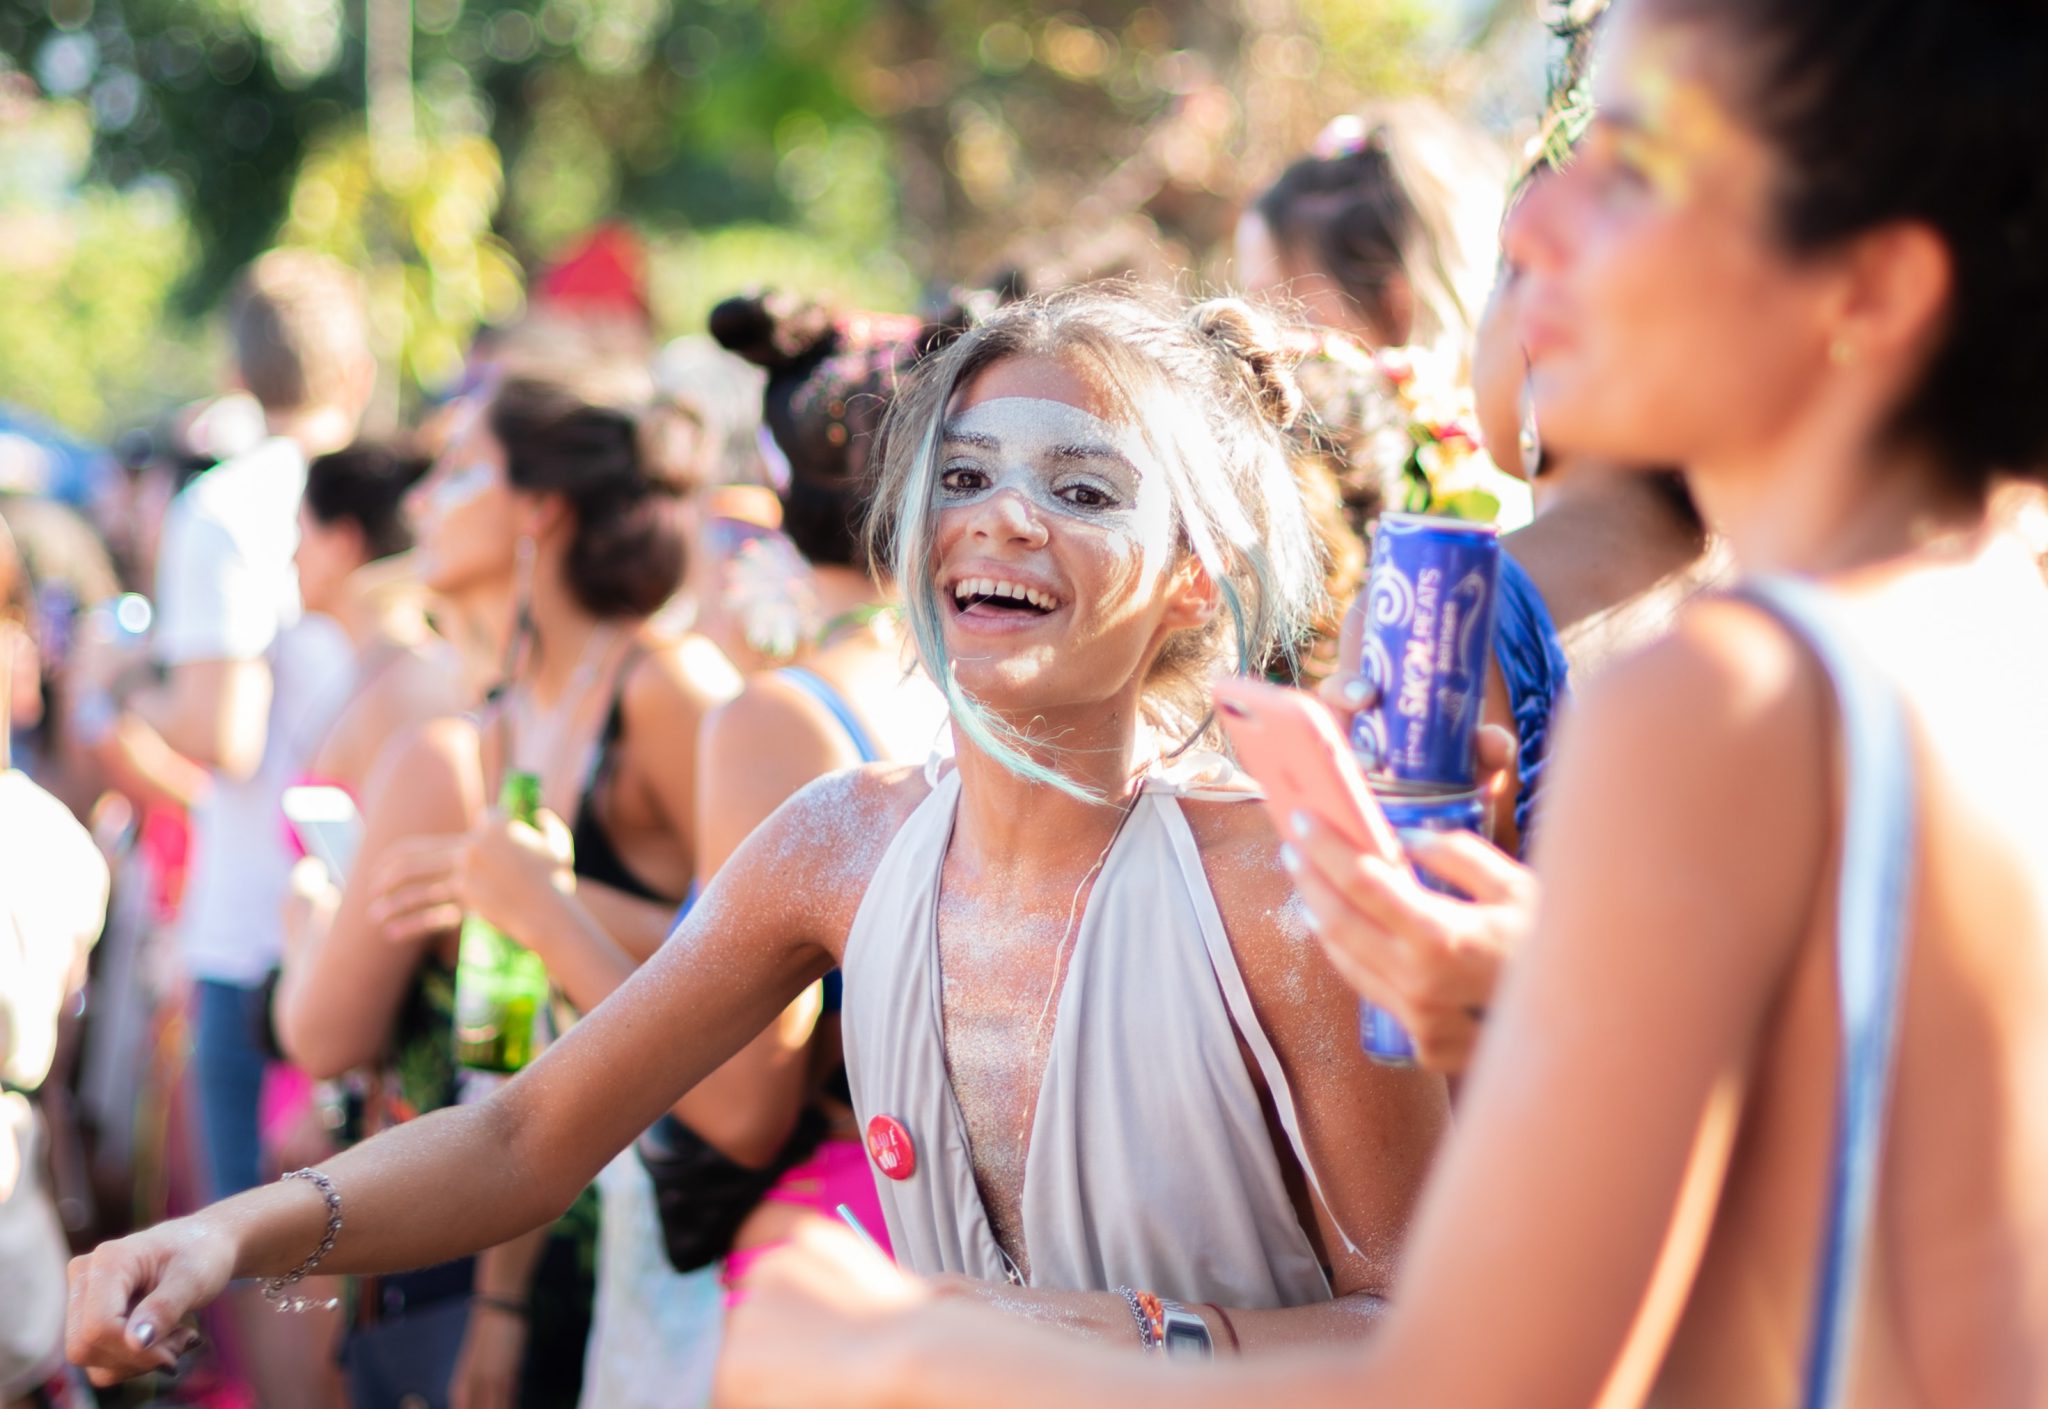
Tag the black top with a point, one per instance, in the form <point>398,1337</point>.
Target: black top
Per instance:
<point>597,859</point>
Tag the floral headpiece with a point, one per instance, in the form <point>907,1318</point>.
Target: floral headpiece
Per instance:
<point>1568,103</point>
<point>1403,422</point>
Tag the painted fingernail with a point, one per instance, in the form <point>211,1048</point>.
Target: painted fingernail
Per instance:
<point>143,1334</point>
<point>1289,857</point>
<point>1416,839</point>
<point>1297,823</point>
<point>1359,693</point>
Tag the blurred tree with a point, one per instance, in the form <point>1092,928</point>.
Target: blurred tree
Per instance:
<point>87,277</point>
<point>422,227</point>
<point>877,138</point>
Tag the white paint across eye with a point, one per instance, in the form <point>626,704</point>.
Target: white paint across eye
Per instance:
<point>462,487</point>
<point>1064,460</point>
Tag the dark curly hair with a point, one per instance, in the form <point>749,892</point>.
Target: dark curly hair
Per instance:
<point>365,484</point>
<point>620,459</point>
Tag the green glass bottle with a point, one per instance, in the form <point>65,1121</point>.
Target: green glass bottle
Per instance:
<point>501,987</point>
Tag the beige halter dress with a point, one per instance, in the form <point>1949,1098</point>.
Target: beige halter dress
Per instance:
<point>1150,1162</point>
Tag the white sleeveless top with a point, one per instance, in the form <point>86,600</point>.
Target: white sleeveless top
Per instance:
<point>1150,1162</point>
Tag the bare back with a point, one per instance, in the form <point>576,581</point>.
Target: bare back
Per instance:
<point>1956,1310</point>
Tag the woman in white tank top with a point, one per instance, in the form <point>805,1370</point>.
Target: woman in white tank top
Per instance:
<point>1095,1054</point>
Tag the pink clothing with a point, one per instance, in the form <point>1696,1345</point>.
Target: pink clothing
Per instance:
<point>836,1174</point>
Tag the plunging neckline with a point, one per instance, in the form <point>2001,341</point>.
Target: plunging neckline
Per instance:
<point>1058,1002</point>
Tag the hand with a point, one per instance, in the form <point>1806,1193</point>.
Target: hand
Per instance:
<point>511,871</point>
<point>1346,693</point>
<point>1432,960</point>
<point>844,1307</point>
<point>487,1369</point>
<point>310,900</point>
<point>130,1298</point>
<point>414,887</point>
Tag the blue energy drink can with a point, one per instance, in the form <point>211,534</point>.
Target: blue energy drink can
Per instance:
<point>1384,1039</point>
<point>1428,639</point>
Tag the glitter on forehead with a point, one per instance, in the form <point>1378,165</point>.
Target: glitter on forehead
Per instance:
<point>1681,124</point>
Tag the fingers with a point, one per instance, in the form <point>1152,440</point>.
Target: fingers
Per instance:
<point>1427,958</point>
<point>410,920</point>
<point>555,833</point>
<point>1474,866</point>
<point>418,892</point>
<point>1351,639</point>
<point>99,1334</point>
<point>417,859</point>
<point>1498,750</point>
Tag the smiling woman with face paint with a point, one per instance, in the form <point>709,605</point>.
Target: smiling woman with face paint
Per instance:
<point>1758,1118</point>
<point>1093,1053</point>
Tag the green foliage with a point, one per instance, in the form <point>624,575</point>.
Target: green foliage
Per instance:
<point>422,225</point>
<point>87,280</point>
<point>848,147</point>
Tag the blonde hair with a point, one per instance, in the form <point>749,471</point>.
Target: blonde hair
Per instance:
<point>1210,392</point>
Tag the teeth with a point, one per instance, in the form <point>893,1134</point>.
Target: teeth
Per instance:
<point>1013,591</point>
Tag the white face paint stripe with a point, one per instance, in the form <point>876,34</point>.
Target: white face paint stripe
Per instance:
<point>462,487</point>
<point>1064,460</point>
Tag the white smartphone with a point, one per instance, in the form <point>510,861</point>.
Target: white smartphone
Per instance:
<point>327,824</point>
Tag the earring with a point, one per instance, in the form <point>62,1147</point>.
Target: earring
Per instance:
<point>1530,441</point>
<point>522,605</point>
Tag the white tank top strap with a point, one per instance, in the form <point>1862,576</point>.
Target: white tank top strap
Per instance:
<point>1223,959</point>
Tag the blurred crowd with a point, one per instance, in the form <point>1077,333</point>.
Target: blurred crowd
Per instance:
<point>267,676</point>
<point>634,570</point>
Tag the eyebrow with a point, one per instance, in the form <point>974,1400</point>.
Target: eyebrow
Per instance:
<point>1078,450</point>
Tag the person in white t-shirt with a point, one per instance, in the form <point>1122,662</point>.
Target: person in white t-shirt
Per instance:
<point>53,900</point>
<point>248,690</point>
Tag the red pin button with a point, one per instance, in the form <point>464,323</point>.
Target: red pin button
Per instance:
<point>890,1148</point>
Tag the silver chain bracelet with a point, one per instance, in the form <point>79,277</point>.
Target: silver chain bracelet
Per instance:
<point>1148,1339</point>
<point>276,1291</point>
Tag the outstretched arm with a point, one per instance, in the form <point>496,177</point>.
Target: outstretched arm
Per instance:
<point>467,1178</point>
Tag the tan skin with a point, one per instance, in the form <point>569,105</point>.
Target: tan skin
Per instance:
<point>423,1192</point>
<point>434,849</point>
<point>1647,1126</point>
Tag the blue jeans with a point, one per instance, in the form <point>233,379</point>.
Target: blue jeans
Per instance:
<point>227,1079</point>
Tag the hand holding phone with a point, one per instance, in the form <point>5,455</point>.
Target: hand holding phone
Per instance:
<point>1287,741</point>
<point>326,822</point>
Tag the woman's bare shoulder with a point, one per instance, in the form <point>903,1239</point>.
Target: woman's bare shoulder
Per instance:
<point>1728,682</point>
<point>849,816</point>
<point>429,767</point>
<point>1240,851</point>
<point>819,850</point>
<point>678,678</point>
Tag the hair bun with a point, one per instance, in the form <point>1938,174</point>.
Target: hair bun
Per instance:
<point>1255,343</point>
<point>771,330</point>
<point>675,447</point>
